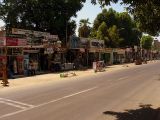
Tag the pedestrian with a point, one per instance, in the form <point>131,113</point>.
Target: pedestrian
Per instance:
<point>31,68</point>
<point>4,75</point>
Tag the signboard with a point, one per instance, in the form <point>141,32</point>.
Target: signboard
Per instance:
<point>54,37</point>
<point>27,32</point>
<point>22,42</point>
<point>96,43</point>
<point>84,42</point>
<point>21,31</point>
<point>15,42</point>
<point>39,34</point>
<point>120,51</point>
<point>11,41</point>
<point>3,59</point>
<point>49,51</point>
<point>136,48</point>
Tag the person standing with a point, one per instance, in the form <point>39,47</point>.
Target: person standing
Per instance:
<point>4,75</point>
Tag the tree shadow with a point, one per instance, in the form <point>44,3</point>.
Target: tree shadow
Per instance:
<point>145,112</point>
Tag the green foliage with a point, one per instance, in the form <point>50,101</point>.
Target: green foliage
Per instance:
<point>146,42</point>
<point>51,15</point>
<point>84,28</point>
<point>115,39</point>
<point>121,29</point>
<point>146,12</point>
<point>102,32</point>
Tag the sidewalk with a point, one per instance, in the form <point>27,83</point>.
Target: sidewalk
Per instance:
<point>55,77</point>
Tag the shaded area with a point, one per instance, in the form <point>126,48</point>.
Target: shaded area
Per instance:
<point>145,112</point>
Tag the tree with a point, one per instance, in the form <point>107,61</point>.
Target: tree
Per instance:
<point>84,28</point>
<point>146,42</point>
<point>114,37</point>
<point>122,24</point>
<point>102,32</point>
<point>110,36</point>
<point>128,29</point>
<point>146,12</point>
<point>52,16</point>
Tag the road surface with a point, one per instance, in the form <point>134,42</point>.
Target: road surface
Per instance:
<point>128,94</point>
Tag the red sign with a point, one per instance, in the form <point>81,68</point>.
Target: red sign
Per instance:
<point>11,41</point>
<point>22,42</point>
<point>3,59</point>
<point>20,58</point>
<point>15,42</point>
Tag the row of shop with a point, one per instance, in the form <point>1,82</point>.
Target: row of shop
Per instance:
<point>22,48</point>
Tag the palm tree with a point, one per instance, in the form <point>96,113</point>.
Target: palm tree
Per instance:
<point>84,28</point>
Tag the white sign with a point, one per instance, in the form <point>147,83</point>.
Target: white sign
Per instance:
<point>135,48</point>
<point>49,51</point>
<point>21,31</point>
<point>96,43</point>
<point>26,32</point>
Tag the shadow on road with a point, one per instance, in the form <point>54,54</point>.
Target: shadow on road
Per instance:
<point>145,112</point>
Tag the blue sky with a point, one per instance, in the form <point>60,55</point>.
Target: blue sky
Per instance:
<point>91,11</point>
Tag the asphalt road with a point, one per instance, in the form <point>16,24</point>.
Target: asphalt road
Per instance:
<point>128,94</point>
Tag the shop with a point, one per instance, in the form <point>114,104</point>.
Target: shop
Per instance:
<point>11,53</point>
<point>118,56</point>
<point>15,60</point>
<point>108,56</point>
<point>54,53</point>
<point>32,55</point>
<point>78,52</point>
<point>96,51</point>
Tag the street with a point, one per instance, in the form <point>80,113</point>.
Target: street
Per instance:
<point>127,94</point>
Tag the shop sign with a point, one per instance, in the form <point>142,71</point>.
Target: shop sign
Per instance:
<point>128,49</point>
<point>83,42</point>
<point>39,34</point>
<point>15,42</point>
<point>96,43</point>
<point>11,41</point>
<point>121,51</point>
<point>136,48</point>
<point>49,51</point>
<point>20,58</point>
<point>28,32</point>
<point>82,50</point>
<point>108,50</point>
<point>54,37</point>
<point>3,59</point>
<point>22,42</point>
<point>21,31</point>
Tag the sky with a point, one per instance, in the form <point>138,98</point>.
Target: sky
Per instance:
<point>91,11</point>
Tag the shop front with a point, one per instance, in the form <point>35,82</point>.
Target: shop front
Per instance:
<point>11,54</point>
<point>118,56</point>
<point>78,52</point>
<point>54,53</point>
<point>96,51</point>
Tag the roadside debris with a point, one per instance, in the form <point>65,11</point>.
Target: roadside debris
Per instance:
<point>69,74</point>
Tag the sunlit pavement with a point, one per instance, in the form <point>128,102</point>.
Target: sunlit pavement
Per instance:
<point>122,92</point>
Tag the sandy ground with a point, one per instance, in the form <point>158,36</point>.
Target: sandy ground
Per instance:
<point>55,77</point>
